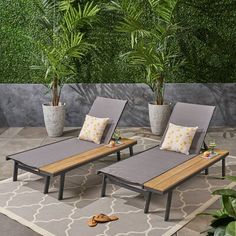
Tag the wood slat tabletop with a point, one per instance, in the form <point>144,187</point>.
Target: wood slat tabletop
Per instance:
<point>171,178</point>
<point>86,157</point>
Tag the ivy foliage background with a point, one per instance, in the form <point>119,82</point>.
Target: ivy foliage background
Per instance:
<point>208,44</point>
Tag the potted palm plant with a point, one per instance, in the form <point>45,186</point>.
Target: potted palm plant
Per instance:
<point>62,45</point>
<point>152,28</point>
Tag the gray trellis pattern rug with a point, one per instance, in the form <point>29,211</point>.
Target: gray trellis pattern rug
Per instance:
<point>24,201</point>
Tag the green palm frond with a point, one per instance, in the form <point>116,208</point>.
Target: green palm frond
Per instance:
<point>65,5</point>
<point>164,9</point>
<point>45,23</point>
<point>130,8</point>
<point>134,28</point>
<point>48,5</point>
<point>76,46</point>
<point>70,18</point>
<point>131,23</point>
<point>89,10</point>
<point>142,56</point>
<point>78,17</point>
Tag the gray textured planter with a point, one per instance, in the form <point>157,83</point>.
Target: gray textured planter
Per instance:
<point>54,117</point>
<point>158,116</point>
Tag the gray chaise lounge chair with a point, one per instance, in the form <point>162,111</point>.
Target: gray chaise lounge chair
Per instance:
<point>35,160</point>
<point>134,172</point>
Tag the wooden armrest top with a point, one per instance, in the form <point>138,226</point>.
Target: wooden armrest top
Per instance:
<point>178,174</point>
<point>85,157</point>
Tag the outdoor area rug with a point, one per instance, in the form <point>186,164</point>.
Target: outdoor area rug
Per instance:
<point>24,202</point>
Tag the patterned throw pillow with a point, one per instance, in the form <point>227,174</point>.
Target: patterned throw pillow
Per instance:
<point>179,138</point>
<point>93,129</point>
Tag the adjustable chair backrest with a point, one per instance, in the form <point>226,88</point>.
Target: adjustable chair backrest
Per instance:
<point>108,108</point>
<point>192,115</point>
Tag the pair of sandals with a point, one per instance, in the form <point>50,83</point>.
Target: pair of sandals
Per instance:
<point>101,218</point>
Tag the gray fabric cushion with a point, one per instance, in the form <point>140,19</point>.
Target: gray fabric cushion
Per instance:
<point>45,155</point>
<point>108,108</point>
<point>142,167</point>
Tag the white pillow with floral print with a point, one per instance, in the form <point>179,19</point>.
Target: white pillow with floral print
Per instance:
<point>179,138</point>
<point>93,129</point>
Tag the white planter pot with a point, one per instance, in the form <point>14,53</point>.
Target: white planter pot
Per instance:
<point>159,116</point>
<point>54,117</point>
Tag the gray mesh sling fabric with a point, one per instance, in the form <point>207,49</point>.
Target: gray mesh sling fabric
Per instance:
<point>154,162</point>
<point>142,167</point>
<point>45,155</point>
<point>51,153</point>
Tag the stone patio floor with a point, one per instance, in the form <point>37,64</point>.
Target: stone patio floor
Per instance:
<point>17,139</point>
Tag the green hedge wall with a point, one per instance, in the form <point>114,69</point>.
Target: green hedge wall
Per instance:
<point>208,44</point>
<point>17,20</point>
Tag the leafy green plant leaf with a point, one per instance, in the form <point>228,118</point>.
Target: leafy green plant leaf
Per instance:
<point>220,231</point>
<point>221,221</point>
<point>231,229</point>
<point>225,192</point>
<point>227,204</point>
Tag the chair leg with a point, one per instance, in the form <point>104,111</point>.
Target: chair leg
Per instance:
<point>47,183</point>
<point>15,171</point>
<point>61,186</point>
<point>206,171</point>
<point>118,156</point>
<point>131,152</point>
<point>223,167</point>
<point>168,205</point>
<point>148,200</point>
<point>104,185</point>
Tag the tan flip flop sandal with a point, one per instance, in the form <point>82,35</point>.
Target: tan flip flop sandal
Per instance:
<point>92,222</point>
<point>113,217</point>
<point>102,218</point>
